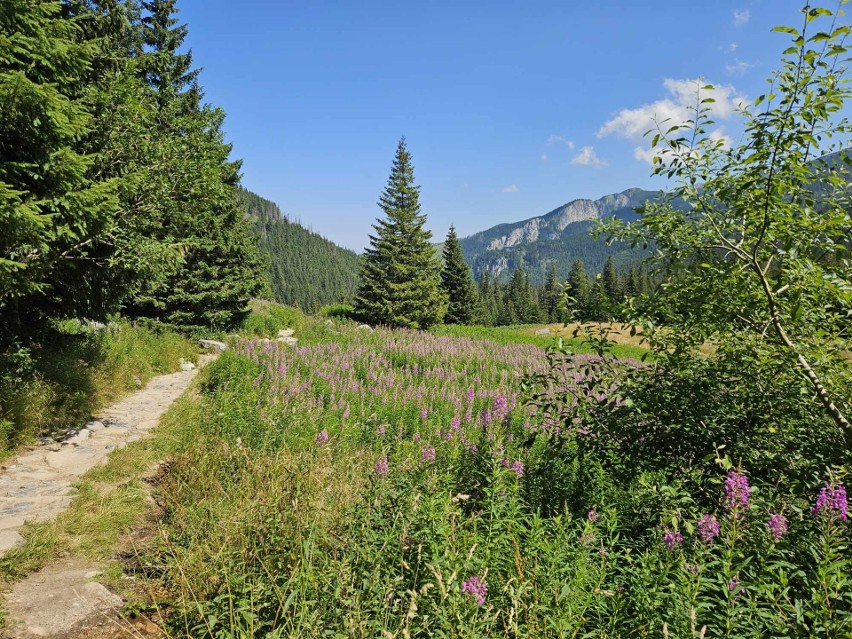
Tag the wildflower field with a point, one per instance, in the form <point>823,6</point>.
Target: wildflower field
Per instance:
<point>405,484</point>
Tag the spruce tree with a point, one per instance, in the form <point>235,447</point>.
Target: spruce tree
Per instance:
<point>551,293</point>
<point>598,307</point>
<point>577,289</point>
<point>457,283</point>
<point>198,210</point>
<point>400,273</point>
<point>489,302</point>
<point>54,213</point>
<point>169,73</point>
<point>611,281</point>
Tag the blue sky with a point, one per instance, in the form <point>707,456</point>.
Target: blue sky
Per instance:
<point>510,109</point>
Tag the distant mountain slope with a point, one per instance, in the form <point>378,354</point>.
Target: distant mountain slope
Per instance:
<point>562,235</point>
<point>304,268</point>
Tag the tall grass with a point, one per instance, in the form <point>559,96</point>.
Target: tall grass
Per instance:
<point>71,370</point>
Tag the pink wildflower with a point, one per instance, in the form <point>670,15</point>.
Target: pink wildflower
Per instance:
<point>777,525</point>
<point>381,467</point>
<point>476,588</point>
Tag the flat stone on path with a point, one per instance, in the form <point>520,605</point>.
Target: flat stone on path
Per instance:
<point>59,601</point>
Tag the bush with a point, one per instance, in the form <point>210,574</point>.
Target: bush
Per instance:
<point>339,311</point>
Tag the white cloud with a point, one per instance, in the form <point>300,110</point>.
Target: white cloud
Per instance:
<point>554,139</point>
<point>588,157</point>
<point>741,17</point>
<point>677,108</point>
<point>512,188</point>
<point>719,134</point>
<point>544,157</point>
<point>733,47</point>
<point>738,67</point>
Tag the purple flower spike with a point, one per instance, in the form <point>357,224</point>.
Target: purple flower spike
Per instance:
<point>672,539</point>
<point>321,438</point>
<point>593,515</point>
<point>736,491</point>
<point>381,467</point>
<point>476,588</point>
<point>428,454</point>
<point>777,525</point>
<point>832,497</point>
<point>708,528</point>
<point>518,468</point>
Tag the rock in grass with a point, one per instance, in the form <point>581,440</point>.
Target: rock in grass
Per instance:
<point>366,327</point>
<point>543,331</point>
<point>186,366</point>
<point>212,344</point>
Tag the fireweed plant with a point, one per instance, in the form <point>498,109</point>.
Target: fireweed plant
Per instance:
<point>397,483</point>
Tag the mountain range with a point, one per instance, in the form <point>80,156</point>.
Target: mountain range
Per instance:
<point>561,235</point>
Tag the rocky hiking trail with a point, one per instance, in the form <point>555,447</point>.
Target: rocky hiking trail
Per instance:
<point>62,599</point>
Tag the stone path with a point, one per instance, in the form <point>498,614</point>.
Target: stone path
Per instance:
<point>61,600</point>
<point>37,485</point>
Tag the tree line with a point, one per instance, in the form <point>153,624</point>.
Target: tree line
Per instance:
<point>577,297</point>
<point>403,283</point>
<point>117,188</point>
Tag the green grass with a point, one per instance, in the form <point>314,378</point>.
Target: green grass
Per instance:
<point>68,372</point>
<point>511,335</point>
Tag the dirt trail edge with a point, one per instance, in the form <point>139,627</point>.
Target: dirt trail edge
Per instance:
<point>37,486</point>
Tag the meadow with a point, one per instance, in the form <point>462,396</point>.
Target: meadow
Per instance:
<point>396,483</point>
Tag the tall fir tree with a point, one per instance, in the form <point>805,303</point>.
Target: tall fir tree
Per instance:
<point>611,281</point>
<point>598,306</point>
<point>551,293</point>
<point>400,273</point>
<point>577,291</point>
<point>169,73</point>
<point>222,268</point>
<point>457,283</point>
<point>489,303</point>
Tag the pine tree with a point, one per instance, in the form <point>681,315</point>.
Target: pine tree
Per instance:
<point>198,210</point>
<point>488,299</point>
<point>400,274</point>
<point>577,289</point>
<point>611,281</point>
<point>551,293</point>
<point>598,307</point>
<point>457,283</point>
<point>633,288</point>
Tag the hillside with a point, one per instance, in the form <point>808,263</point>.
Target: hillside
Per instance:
<point>562,235</point>
<point>304,268</point>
